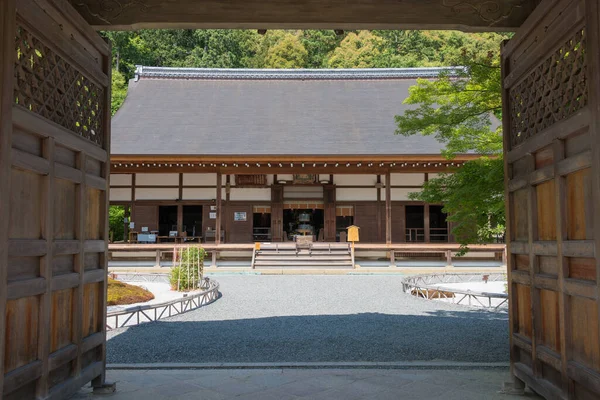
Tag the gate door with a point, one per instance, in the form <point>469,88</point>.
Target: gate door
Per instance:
<point>552,142</point>
<point>54,141</point>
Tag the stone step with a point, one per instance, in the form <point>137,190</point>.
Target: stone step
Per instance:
<point>303,257</point>
<point>302,262</point>
<point>303,252</point>
<point>305,266</point>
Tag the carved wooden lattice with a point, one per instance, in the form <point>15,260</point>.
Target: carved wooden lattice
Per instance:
<point>48,85</point>
<point>552,92</point>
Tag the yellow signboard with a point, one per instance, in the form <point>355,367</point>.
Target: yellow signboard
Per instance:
<point>353,233</point>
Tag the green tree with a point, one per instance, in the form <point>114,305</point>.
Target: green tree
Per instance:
<point>118,91</point>
<point>279,49</point>
<point>320,44</point>
<point>222,48</point>
<point>361,50</point>
<point>463,113</point>
<point>116,214</point>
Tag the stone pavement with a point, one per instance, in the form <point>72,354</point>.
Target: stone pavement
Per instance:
<point>314,384</point>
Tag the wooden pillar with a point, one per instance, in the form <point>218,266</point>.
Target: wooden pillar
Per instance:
<point>179,219</point>
<point>426,223</point>
<point>80,226</point>
<point>7,52</point>
<point>388,208</point>
<point>126,224</point>
<point>451,238</point>
<point>379,223</point>
<point>593,74</point>
<point>180,207</point>
<point>218,221</point>
<point>226,208</point>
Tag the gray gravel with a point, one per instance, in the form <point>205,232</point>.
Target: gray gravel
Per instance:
<point>316,318</point>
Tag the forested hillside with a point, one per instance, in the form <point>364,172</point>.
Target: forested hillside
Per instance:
<point>221,48</point>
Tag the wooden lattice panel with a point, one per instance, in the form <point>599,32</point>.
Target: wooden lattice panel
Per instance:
<point>551,92</point>
<point>47,84</point>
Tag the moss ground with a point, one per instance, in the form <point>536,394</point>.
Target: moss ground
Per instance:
<point>120,293</point>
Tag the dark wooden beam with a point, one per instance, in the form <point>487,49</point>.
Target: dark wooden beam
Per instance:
<point>466,15</point>
<point>219,211</point>
<point>388,208</point>
<point>286,170</point>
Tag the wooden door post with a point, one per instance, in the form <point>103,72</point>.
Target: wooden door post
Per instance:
<point>218,221</point>
<point>388,208</point>
<point>427,224</point>
<point>7,36</point>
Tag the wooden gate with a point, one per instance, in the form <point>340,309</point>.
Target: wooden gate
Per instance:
<point>552,160</point>
<point>54,141</point>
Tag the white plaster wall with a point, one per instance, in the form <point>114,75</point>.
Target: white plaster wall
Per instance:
<point>270,179</point>
<point>156,194</point>
<point>365,194</point>
<point>285,177</point>
<point>157,179</point>
<point>120,194</point>
<point>351,180</point>
<point>255,194</point>
<point>323,177</point>
<point>407,179</point>
<point>120,179</point>
<point>434,175</point>
<point>199,194</point>
<point>199,179</point>
<point>399,194</point>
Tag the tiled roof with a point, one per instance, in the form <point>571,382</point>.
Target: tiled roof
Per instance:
<point>189,111</point>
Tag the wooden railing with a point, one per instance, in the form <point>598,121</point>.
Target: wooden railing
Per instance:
<point>443,251</point>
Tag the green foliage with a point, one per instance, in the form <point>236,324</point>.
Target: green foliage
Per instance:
<point>461,112</point>
<point>473,197</point>
<point>116,215</point>
<point>464,114</point>
<point>187,274</point>
<point>286,52</point>
<point>319,45</point>
<point>119,91</point>
<point>360,50</point>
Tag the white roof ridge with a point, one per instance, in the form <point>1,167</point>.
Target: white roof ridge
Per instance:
<point>282,74</point>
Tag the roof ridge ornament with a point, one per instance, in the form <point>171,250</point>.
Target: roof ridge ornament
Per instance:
<point>293,74</point>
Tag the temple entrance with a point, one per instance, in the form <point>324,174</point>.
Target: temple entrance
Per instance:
<point>192,221</point>
<point>438,226</point>
<point>167,220</point>
<point>415,223</point>
<point>303,222</point>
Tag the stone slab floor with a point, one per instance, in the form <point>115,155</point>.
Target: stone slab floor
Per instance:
<point>314,384</point>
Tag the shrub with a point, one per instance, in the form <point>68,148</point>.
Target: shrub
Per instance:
<point>120,293</point>
<point>187,274</point>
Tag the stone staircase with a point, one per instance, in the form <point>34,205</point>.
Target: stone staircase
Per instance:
<point>316,255</point>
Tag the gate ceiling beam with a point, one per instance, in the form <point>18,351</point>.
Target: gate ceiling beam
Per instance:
<point>465,15</point>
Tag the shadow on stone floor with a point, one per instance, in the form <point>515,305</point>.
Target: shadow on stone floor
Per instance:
<point>465,336</point>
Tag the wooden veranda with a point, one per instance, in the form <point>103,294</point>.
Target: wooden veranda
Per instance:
<point>54,169</point>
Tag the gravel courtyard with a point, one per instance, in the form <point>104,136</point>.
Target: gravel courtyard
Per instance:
<point>316,318</point>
